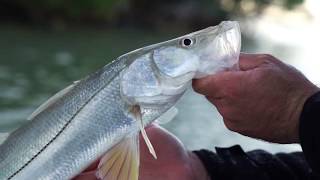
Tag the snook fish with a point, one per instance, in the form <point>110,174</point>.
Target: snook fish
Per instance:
<point>102,114</point>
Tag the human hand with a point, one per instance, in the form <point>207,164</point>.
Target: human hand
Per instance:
<point>263,100</point>
<point>174,161</point>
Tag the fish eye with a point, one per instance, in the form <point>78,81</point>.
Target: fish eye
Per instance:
<point>187,42</point>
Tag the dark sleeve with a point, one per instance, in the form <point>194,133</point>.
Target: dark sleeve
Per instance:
<point>234,164</point>
<point>310,131</point>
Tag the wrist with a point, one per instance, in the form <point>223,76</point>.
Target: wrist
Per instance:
<point>308,130</point>
<point>294,116</point>
<point>198,170</point>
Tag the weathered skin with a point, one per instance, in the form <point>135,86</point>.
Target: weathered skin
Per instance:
<point>81,125</point>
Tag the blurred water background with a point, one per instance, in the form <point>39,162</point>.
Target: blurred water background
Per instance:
<point>44,46</point>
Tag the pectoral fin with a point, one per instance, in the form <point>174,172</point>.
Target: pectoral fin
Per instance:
<point>146,139</point>
<point>136,111</point>
<point>121,162</point>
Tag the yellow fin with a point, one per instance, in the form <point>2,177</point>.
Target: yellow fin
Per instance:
<point>121,162</point>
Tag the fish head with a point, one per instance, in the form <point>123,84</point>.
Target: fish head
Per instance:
<point>201,53</point>
<point>159,74</point>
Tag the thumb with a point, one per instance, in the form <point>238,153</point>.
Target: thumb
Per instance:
<point>215,86</point>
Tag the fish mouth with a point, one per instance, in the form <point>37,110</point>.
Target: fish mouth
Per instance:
<point>228,30</point>
<point>223,49</point>
<point>232,35</point>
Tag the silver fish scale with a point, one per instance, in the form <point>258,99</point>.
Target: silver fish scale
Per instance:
<point>67,136</point>
<point>99,125</point>
<point>24,145</point>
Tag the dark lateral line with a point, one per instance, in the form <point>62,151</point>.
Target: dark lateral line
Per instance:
<point>55,137</point>
<point>63,128</point>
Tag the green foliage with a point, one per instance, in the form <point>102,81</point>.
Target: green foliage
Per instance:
<point>138,12</point>
<point>74,9</point>
<point>291,3</point>
<point>286,3</point>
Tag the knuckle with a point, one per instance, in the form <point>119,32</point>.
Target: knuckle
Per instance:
<point>242,131</point>
<point>230,125</point>
<point>198,86</point>
<point>267,57</point>
<point>223,110</point>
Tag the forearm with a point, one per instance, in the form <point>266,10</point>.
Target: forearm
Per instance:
<point>234,163</point>
<point>309,131</point>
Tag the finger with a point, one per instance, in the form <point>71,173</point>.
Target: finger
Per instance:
<point>208,86</point>
<point>222,105</point>
<point>216,86</point>
<point>217,102</point>
<point>251,61</point>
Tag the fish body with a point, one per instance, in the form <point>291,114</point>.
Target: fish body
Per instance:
<point>101,113</point>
